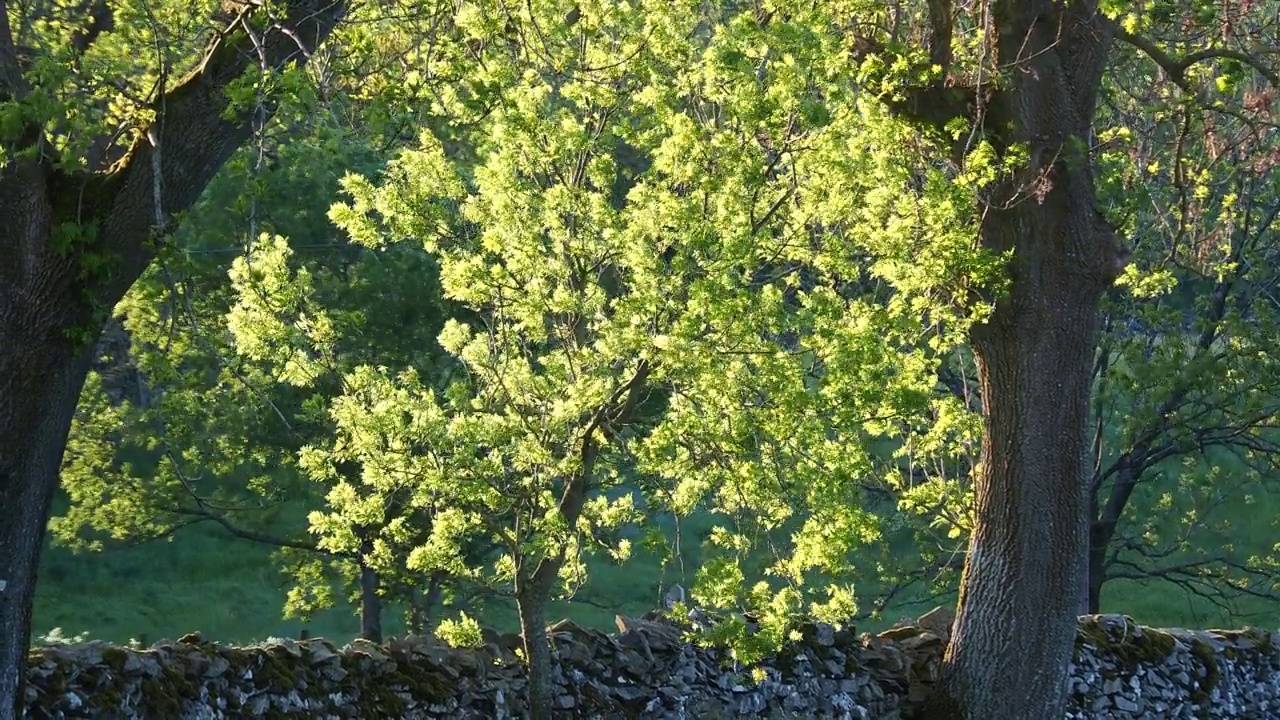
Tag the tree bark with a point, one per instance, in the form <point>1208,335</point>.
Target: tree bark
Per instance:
<point>54,298</point>
<point>532,605</point>
<point>1020,592</point>
<point>39,389</point>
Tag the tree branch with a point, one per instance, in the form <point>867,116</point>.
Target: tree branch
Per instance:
<point>617,409</point>
<point>933,105</point>
<point>1177,68</point>
<point>98,18</point>
<point>203,515</point>
<point>195,132</point>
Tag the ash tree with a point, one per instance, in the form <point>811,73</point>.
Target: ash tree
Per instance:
<point>386,307</point>
<point>670,281</point>
<point>523,453</point>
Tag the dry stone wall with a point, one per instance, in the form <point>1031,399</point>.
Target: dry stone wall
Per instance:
<point>646,670</point>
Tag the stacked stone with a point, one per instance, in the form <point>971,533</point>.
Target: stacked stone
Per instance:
<point>1123,670</point>
<point>645,670</point>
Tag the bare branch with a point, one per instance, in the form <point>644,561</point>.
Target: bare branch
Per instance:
<point>204,515</point>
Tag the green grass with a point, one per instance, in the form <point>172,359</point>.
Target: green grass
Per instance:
<point>201,580</point>
<point>230,590</point>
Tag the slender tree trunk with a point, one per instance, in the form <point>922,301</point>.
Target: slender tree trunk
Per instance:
<point>421,607</point>
<point>1021,588</point>
<point>532,604</point>
<point>1095,557</point>
<point>370,604</point>
<point>1094,579</point>
<point>533,589</point>
<point>1104,518</point>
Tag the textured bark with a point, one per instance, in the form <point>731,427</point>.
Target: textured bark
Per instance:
<point>51,306</point>
<point>1020,591</point>
<point>532,604</point>
<point>39,388</point>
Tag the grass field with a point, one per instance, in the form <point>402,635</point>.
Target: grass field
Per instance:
<point>229,590</point>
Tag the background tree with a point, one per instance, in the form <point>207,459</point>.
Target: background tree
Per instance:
<point>1186,382</point>
<point>210,436</point>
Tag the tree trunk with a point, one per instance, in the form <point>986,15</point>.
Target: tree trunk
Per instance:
<point>1095,576</point>
<point>1104,518</point>
<point>1019,596</point>
<point>370,599</point>
<point>533,589</point>
<point>532,604</point>
<point>1095,556</point>
<point>38,395</point>
<point>421,607</point>
<point>1020,590</point>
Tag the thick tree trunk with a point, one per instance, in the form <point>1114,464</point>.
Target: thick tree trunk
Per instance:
<point>1021,588</point>
<point>38,395</point>
<point>1020,591</point>
<point>42,370</point>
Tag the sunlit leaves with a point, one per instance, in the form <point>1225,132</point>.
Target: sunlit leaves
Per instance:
<point>734,265</point>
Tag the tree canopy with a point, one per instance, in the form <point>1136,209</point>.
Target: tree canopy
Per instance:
<point>480,295</point>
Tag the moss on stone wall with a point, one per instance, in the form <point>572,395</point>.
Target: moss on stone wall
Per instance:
<point>647,671</point>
